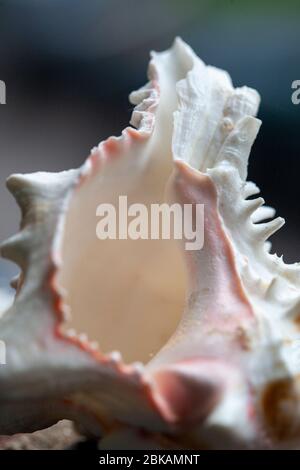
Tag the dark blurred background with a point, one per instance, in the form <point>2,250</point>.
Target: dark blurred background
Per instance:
<point>70,64</point>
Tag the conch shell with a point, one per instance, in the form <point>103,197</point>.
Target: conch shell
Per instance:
<point>207,338</point>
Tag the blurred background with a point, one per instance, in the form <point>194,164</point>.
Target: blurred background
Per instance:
<point>69,66</point>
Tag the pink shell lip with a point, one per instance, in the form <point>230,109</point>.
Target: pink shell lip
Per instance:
<point>190,389</point>
<point>191,186</point>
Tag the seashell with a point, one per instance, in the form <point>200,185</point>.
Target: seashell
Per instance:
<point>182,348</point>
